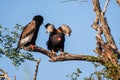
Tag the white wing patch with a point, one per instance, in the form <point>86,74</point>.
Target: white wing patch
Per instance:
<point>26,39</point>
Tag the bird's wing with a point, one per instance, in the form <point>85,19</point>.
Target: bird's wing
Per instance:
<point>26,39</point>
<point>28,33</point>
<point>66,29</point>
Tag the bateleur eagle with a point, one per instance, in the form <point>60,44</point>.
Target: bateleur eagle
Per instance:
<point>57,37</point>
<point>30,32</point>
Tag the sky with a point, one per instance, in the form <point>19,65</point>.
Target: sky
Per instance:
<point>78,15</point>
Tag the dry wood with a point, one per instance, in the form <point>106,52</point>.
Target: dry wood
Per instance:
<point>4,75</point>
<point>36,70</point>
<point>118,1</point>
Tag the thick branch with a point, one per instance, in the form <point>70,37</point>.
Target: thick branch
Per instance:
<point>103,21</point>
<point>106,49</point>
<point>65,56</point>
<point>68,57</point>
<point>40,50</point>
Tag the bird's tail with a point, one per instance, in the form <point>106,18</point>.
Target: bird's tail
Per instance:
<point>17,49</point>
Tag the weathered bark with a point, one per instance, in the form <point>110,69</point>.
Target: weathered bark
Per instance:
<point>108,48</point>
<point>67,56</point>
<point>104,25</point>
<point>36,70</point>
<point>4,75</point>
<point>118,1</point>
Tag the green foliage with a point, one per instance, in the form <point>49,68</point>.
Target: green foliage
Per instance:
<point>100,73</point>
<point>105,73</point>
<point>75,75</point>
<point>112,72</point>
<point>8,42</point>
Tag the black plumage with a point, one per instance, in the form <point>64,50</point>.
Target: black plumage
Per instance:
<point>56,42</point>
<point>56,39</point>
<point>30,32</point>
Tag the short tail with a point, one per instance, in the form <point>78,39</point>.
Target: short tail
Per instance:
<point>16,49</point>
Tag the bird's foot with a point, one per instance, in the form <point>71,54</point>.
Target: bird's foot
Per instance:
<point>32,46</point>
<point>53,53</point>
<point>63,53</point>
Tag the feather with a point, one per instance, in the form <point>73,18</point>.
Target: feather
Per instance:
<point>65,29</point>
<point>26,39</point>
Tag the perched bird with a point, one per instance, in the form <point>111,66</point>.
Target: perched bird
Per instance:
<point>57,37</point>
<point>30,32</point>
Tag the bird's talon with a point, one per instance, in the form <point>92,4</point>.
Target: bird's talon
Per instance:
<point>54,54</point>
<point>62,53</point>
<point>32,46</point>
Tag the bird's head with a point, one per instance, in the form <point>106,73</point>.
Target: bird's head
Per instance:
<point>49,28</point>
<point>39,19</point>
<point>65,29</point>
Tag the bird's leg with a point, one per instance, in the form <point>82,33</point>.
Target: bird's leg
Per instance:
<point>63,53</point>
<point>32,46</point>
<point>53,52</point>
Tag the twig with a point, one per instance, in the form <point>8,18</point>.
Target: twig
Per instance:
<point>68,56</point>
<point>40,50</point>
<point>105,6</point>
<point>14,77</point>
<point>36,70</point>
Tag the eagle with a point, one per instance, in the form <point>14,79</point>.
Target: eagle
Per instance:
<point>56,39</point>
<point>30,32</point>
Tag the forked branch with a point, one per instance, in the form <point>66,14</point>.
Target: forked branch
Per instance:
<point>108,48</point>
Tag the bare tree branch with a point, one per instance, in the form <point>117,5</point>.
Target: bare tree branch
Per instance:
<point>4,75</point>
<point>40,50</point>
<point>14,77</point>
<point>66,56</point>
<point>106,49</point>
<point>118,1</point>
<point>36,70</point>
<point>105,26</point>
<point>105,7</point>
